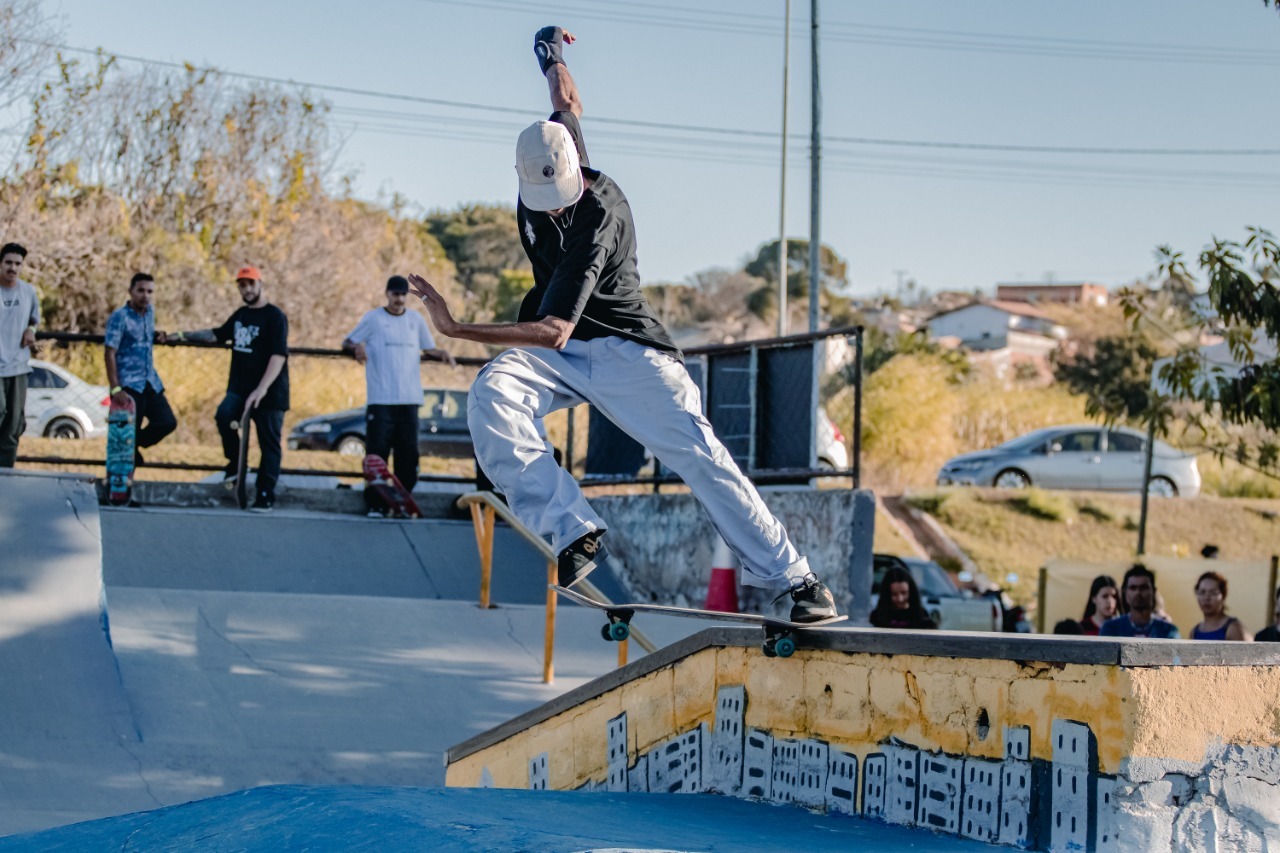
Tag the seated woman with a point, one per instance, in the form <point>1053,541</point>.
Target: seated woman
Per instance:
<point>899,605</point>
<point>1271,633</point>
<point>1103,604</point>
<point>1211,595</point>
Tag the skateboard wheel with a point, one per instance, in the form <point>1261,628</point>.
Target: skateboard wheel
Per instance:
<point>767,648</point>
<point>619,631</point>
<point>604,632</point>
<point>785,647</point>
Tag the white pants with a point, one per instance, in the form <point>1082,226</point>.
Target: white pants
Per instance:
<point>647,393</point>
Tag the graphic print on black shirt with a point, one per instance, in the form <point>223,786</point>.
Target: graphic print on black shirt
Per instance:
<point>255,335</point>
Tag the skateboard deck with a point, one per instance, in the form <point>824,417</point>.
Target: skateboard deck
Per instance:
<point>393,493</point>
<point>121,439</point>
<point>242,461</point>
<point>778,640</point>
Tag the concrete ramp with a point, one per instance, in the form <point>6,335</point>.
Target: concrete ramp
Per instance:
<point>63,698</point>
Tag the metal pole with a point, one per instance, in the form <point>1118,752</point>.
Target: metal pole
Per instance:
<point>815,174</point>
<point>782,201</point>
<point>1146,485</point>
<point>857,409</point>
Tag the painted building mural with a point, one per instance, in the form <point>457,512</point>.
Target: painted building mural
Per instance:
<point>1059,804</point>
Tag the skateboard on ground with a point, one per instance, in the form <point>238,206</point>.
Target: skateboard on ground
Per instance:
<point>394,495</point>
<point>121,439</point>
<point>778,639</point>
<point>242,461</point>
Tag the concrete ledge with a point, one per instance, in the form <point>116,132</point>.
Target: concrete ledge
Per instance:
<point>1052,650</point>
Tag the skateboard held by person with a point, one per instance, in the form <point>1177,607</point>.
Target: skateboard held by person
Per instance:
<point>121,449</point>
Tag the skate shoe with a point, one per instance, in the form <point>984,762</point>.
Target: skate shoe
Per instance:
<point>581,558</point>
<point>813,602</point>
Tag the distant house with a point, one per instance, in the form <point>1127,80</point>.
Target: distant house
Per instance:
<point>1009,338</point>
<point>1079,293</point>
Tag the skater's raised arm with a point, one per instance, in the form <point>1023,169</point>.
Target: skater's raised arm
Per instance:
<point>548,45</point>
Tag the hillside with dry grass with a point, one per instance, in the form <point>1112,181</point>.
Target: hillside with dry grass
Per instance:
<point>1017,532</point>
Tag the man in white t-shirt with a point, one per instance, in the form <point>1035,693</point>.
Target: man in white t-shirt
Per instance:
<point>19,316</point>
<point>390,343</point>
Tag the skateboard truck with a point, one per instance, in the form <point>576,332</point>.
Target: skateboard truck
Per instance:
<point>619,626</point>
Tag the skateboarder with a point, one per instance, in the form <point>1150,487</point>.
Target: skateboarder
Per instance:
<point>131,372</point>
<point>259,336</point>
<point>388,341</point>
<point>586,334</point>
<point>19,317</point>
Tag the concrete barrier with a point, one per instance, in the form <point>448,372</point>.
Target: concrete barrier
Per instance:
<point>1036,742</point>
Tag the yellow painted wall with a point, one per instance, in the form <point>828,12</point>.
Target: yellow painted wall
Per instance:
<point>859,701</point>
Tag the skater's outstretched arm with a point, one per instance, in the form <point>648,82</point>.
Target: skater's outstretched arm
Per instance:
<point>548,46</point>
<point>549,332</point>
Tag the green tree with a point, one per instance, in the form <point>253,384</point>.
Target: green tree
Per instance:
<point>1113,375</point>
<point>834,271</point>
<point>483,242</point>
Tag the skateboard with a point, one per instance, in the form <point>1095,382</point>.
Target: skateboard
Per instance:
<point>778,639</point>
<point>242,461</point>
<point>121,437</point>
<point>393,493</point>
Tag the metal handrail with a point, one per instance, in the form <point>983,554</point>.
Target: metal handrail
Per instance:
<point>485,506</point>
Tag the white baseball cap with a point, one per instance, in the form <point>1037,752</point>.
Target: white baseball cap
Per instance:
<point>547,163</point>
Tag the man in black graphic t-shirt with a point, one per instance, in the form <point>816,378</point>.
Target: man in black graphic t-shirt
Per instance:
<point>585,333</point>
<point>259,336</point>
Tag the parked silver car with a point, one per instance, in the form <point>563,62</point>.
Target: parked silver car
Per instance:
<point>1076,457</point>
<point>62,405</point>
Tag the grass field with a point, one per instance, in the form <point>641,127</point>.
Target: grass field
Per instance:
<point>1005,531</point>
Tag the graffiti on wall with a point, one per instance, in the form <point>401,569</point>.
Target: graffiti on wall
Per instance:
<point>1016,800</point>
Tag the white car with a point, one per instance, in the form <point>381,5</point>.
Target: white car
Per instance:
<point>949,607</point>
<point>62,405</point>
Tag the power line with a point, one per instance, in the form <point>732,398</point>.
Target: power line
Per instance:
<point>656,125</point>
<point>672,17</point>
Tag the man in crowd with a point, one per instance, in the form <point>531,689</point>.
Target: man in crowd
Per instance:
<point>585,333</point>
<point>390,343</point>
<point>129,350</point>
<point>19,317</point>
<point>259,378</point>
<point>1139,591</point>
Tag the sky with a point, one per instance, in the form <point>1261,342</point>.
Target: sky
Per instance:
<point>683,108</point>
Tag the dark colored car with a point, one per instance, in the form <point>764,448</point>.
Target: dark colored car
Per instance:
<point>442,428</point>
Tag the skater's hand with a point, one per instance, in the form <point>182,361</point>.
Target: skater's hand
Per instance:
<point>255,397</point>
<point>433,302</point>
<point>162,337</point>
<point>28,338</point>
<point>120,398</point>
<point>360,352</point>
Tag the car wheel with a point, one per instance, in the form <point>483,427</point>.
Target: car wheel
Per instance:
<point>826,465</point>
<point>1011,478</point>
<point>64,428</point>
<point>1162,487</point>
<point>351,445</point>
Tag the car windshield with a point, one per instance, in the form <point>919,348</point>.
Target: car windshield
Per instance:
<point>1023,442</point>
<point>932,579</point>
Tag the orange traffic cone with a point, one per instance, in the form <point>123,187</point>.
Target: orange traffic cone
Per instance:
<point>722,591</point>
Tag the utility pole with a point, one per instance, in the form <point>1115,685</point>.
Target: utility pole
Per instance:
<point>901,274</point>
<point>782,202</point>
<point>815,173</point>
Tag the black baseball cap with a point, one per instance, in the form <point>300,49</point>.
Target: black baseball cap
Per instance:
<point>397,284</point>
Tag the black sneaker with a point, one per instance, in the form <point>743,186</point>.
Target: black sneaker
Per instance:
<point>813,601</point>
<point>581,558</point>
<point>263,503</point>
<point>229,480</point>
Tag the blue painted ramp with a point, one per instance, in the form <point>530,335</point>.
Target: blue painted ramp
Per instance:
<point>460,820</point>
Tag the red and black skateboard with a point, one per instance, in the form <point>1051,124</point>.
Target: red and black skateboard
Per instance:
<point>395,497</point>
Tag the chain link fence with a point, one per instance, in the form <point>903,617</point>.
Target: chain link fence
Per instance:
<point>761,397</point>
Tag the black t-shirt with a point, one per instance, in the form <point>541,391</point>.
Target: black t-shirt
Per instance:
<point>256,334</point>
<point>584,263</point>
<point>1270,634</point>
